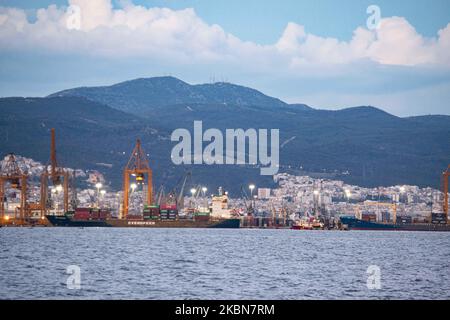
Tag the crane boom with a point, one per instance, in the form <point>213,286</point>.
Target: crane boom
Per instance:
<point>180,199</point>
<point>445,177</point>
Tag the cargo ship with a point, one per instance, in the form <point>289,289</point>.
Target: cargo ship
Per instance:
<point>353,223</point>
<point>152,217</point>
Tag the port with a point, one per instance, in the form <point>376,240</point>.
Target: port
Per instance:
<point>224,159</point>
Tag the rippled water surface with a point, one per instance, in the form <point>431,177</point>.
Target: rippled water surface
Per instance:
<point>222,264</point>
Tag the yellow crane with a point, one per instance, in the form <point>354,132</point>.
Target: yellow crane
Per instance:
<point>138,167</point>
<point>445,176</point>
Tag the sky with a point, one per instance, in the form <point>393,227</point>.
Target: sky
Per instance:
<point>327,54</point>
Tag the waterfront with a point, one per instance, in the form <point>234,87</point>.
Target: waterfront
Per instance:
<point>222,264</point>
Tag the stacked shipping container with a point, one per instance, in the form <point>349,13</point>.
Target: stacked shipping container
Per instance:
<point>151,213</point>
<point>91,214</point>
<point>168,212</point>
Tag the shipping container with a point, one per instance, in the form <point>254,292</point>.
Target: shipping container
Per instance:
<point>81,216</point>
<point>404,219</point>
<point>371,217</point>
<point>202,214</point>
<point>83,210</point>
<point>438,218</point>
<point>168,207</point>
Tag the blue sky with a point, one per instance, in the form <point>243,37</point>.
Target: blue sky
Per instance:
<point>300,51</point>
<point>263,21</point>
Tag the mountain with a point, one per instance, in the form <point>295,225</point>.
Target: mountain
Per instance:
<point>89,135</point>
<point>360,145</point>
<point>140,96</point>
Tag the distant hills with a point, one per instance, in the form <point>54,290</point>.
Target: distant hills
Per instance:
<point>87,132</point>
<point>361,145</point>
<point>140,96</point>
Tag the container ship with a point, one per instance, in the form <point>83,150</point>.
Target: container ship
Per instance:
<point>152,217</point>
<point>438,223</point>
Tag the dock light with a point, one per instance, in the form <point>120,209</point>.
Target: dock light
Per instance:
<point>402,189</point>
<point>193,191</point>
<point>139,178</point>
<point>251,187</point>
<point>102,192</point>
<point>98,185</point>
<point>59,188</point>
<point>133,186</point>
<point>53,190</point>
<point>348,194</point>
<point>204,189</point>
<point>226,193</point>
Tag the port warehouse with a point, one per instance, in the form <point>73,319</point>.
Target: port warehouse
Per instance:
<point>138,172</point>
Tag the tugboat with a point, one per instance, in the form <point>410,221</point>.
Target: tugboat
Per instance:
<point>308,223</point>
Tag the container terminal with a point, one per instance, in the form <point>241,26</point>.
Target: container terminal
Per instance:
<point>172,211</point>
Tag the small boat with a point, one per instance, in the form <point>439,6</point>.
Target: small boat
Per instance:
<point>310,223</point>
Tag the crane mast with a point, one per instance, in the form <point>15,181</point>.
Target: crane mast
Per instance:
<point>138,167</point>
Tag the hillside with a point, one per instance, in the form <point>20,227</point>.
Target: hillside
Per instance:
<point>362,145</point>
<point>89,134</point>
<point>140,96</point>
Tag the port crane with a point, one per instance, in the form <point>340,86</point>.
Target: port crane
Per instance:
<point>138,167</point>
<point>445,177</point>
<point>160,195</point>
<point>58,177</point>
<point>180,199</point>
<point>17,179</point>
<point>248,207</point>
<point>175,196</point>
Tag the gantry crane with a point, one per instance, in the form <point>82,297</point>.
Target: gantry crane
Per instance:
<point>445,177</point>
<point>18,180</point>
<point>138,166</point>
<point>59,179</point>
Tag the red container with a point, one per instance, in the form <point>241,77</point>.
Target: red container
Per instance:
<point>81,216</point>
<point>169,207</point>
<point>94,215</point>
<point>83,210</point>
<point>371,217</point>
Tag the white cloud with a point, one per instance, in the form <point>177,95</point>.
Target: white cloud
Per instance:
<point>180,35</point>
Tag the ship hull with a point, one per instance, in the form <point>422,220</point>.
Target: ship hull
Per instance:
<point>352,223</point>
<point>223,223</point>
<point>64,221</point>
